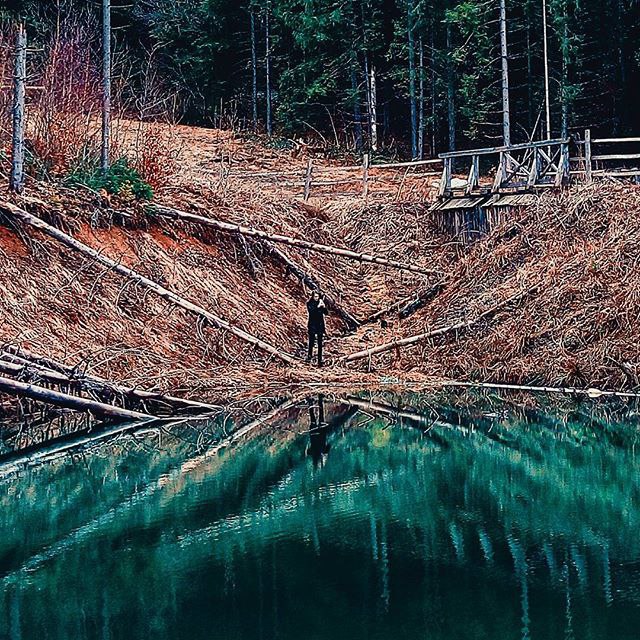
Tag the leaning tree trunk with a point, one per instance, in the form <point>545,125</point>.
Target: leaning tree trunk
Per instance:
<point>19,101</point>
<point>106,85</point>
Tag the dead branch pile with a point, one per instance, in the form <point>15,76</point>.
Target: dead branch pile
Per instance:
<point>580,249</point>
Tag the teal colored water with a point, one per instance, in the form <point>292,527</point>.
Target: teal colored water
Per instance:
<point>457,518</point>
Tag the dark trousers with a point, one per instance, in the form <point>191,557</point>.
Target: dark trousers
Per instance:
<point>313,335</point>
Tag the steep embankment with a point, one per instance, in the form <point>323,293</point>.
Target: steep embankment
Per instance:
<point>554,286</point>
<point>61,304</point>
<point>572,261</point>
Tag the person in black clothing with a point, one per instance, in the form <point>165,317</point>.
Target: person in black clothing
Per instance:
<point>318,433</point>
<point>317,311</point>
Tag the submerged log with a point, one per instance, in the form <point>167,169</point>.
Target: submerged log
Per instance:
<point>421,337</point>
<point>226,227</point>
<point>166,294</point>
<point>23,389</point>
<point>59,373</point>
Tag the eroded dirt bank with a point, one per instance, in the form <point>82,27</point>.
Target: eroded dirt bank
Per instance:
<point>554,287</point>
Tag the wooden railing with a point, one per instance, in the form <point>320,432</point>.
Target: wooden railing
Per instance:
<point>603,162</point>
<point>317,176</point>
<point>522,166</point>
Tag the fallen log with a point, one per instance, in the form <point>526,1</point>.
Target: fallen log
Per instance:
<point>73,375</point>
<point>421,337</point>
<point>23,389</point>
<point>306,278</point>
<point>226,227</point>
<point>409,305</point>
<point>166,294</point>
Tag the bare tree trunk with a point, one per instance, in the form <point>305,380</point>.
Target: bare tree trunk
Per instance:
<point>19,101</point>
<point>504,55</point>
<point>451,92</point>
<point>547,100</point>
<point>565,71</point>
<point>254,72</point>
<point>106,85</point>
<point>41,394</point>
<point>251,232</point>
<point>357,113</point>
<point>267,58</point>
<point>434,112</point>
<point>421,104</point>
<point>412,80</point>
<point>373,109</point>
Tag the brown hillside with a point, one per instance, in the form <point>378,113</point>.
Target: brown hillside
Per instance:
<point>575,253</point>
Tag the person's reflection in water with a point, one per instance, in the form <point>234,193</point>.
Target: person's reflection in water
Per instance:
<point>318,447</point>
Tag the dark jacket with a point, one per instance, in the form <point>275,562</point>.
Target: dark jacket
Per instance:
<point>316,316</point>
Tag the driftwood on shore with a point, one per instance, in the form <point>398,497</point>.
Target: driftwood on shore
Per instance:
<point>67,240</point>
<point>41,394</point>
<point>14,361</point>
<point>226,227</point>
<point>421,337</point>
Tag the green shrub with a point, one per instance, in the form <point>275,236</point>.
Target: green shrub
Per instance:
<point>121,179</point>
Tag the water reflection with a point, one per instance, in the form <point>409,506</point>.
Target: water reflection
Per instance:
<point>336,516</point>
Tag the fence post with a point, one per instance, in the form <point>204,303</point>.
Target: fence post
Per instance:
<point>497,183</point>
<point>474,174</point>
<point>307,180</point>
<point>445,180</point>
<point>563,165</point>
<point>587,155</point>
<point>535,168</point>
<point>365,174</point>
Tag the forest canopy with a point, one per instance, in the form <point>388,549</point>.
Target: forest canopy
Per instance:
<point>425,73</point>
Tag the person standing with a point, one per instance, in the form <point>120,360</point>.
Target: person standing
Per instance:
<point>317,311</point>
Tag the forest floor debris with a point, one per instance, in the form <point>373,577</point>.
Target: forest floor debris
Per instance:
<point>578,249</point>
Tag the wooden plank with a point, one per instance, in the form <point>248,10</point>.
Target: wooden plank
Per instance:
<point>472,180</point>
<point>402,165</point>
<point>513,147</point>
<point>497,183</point>
<point>445,180</point>
<point>614,140</point>
<point>618,156</point>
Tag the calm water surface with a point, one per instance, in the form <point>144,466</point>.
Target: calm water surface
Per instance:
<point>455,518</point>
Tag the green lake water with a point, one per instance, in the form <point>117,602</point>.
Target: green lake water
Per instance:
<point>436,516</point>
